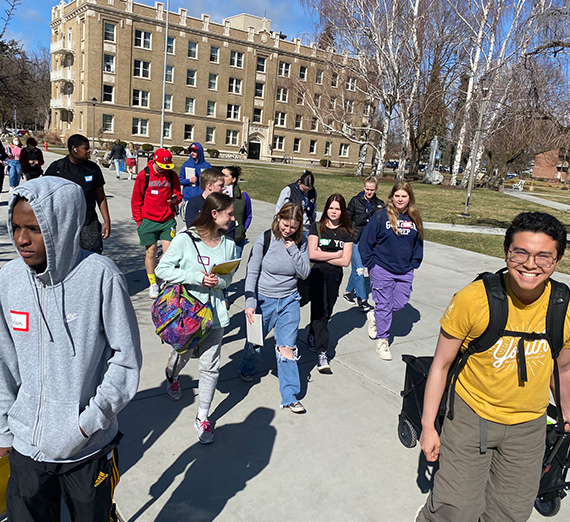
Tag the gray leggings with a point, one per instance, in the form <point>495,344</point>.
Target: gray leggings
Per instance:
<point>209,365</point>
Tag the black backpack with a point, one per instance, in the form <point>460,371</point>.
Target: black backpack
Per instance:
<point>498,315</point>
<point>147,181</point>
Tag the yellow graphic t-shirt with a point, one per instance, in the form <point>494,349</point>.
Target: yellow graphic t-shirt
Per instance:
<point>489,382</point>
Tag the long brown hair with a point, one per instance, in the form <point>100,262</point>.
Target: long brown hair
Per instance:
<point>204,222</point>
<point>344,219</point>
<point>290,212</point>
<point>412,212</point>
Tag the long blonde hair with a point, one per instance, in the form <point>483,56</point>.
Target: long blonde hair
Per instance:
<point>412,212</point>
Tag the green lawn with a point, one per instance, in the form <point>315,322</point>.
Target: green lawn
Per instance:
<point>439,204</point>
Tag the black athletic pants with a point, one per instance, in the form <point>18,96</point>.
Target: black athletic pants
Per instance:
<point>324,293</point>
<point>35,489</point>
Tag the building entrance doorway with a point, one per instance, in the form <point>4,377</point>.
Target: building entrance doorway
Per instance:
<point>254,150</point>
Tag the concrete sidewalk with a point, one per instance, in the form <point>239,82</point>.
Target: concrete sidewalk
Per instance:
<point>342,461</point>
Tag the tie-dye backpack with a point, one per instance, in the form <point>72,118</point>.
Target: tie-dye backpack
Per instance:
<point>181,320</point>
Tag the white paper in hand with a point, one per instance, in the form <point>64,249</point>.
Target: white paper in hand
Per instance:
<point>255,330</point>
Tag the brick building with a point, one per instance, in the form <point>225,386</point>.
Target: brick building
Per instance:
<point>227,84</point>
<point>551,165</point>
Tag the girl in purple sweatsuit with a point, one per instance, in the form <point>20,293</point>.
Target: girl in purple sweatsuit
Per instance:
<point>392,247</point>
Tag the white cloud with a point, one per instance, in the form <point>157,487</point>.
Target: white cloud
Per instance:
<point>31,15</point>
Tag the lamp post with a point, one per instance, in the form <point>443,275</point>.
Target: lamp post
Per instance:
<point>94,102</point>
<point>485,85</point>
<point>164,75</point>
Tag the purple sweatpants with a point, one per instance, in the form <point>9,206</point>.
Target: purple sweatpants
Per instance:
<point>391,292</point>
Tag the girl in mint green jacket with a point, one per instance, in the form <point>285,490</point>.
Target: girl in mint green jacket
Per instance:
<point>189,262</point>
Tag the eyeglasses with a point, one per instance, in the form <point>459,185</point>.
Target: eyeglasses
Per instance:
<point>541,260</point>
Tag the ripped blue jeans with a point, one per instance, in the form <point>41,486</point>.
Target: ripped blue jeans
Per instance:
<point>282,315</point>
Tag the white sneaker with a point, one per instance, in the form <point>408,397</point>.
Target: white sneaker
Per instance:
<point>153,291</point>
<point>206,434</point>
<point>371,325</point>
<point>383,350</point>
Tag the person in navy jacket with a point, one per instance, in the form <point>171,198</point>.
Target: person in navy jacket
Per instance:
<point>391,247</point>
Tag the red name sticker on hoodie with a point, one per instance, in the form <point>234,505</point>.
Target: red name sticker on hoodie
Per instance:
<point>20,321</point>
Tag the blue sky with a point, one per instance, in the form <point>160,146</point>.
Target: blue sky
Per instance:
<point>31,24</point>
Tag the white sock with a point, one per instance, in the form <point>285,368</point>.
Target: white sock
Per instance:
<point>203,414</point>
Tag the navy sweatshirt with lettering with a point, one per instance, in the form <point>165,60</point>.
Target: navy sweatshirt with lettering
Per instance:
<point>397,253</point>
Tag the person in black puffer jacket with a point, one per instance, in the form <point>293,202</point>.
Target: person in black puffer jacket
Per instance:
<point>360,209</point>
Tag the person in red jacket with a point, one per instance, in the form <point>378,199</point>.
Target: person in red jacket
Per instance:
<point>155,194</point>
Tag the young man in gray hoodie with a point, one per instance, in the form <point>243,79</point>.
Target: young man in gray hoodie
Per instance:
<point>69,359</point>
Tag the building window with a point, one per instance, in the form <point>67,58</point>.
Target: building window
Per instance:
<point>189,106</point>
<point>140,98</point>
<point>303,73</point>
<point>334,80</point>
<point>211,108</point>
<point>108,91</point>
<point>298,121</point>
<point>234,86</point>
<point>189,132</point>
<point>367,111</point>
<point>192,50</point>
<point>214,54</point>
<point>313,147</point>
<point>327,148</point>
<point>142,69</point>
<point>284,69</point>
<point>108,63</point>
<point>107,123</point>
<point>282,94</point>
<point>333,103</point>
<point>350,84</point>
<point>210,134</point>
<point>280,119</point>
<point>109,32</point>
<point>169,73</point>
<point>349,106</point>
<point>236,59</point>
<point>232,137</point>
<point>170,45</point>
<point>259,90</point>
<point>140,127</point>
<point>278,143</point>
<point>213,82</point>
<point>319,78</point>
<point>297,145</point>
<point>343,150</point>
<point>142,39</point>
<point>167,129</point>
<point>233,111</point>
<point>314,124</point>
<point>301,99</point>
<point>168,102</point>
<point>191,78</point>
<point>257,115</point>
<point>260,67</point>
<point>317,100</point>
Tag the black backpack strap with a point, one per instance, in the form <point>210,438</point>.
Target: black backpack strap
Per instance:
<point>146,181</point>
<point>498,315</point>
<point>266,241</point>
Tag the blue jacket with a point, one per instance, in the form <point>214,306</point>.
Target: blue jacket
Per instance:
<point>397,253</point>
<point>191,190</point>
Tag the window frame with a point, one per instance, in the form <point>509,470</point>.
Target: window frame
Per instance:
<point>112,87</point>
<point>112,117</point>
<point>231,110</point>
<point>232,137</point>
<point>187,103</point>
<point>143,39</point>
<point>142,69</point>
<point>192,52</point>
<point>236,59</point>
<point>280,119</point>
<point>284,70</point>
<point>186,138</point>
<point>217,54</point>
<point>142,97</point>
<point>211,104</point>
<point>193,77</point>
<point>139,126</point>
<point>114,26</point>
<point>257,64</point>
<point>106,62</point>
<point>212,80</point>
<point>213,140</point>
<point>236,88</point>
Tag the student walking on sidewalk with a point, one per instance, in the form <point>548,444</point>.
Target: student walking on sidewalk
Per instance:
<point>391,247</point>
<point>188,260</point>
<point>360,209</point>
<point>330,247</point>
<point>271,288</point>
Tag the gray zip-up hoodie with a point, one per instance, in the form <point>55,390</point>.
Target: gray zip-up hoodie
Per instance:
<point>69,340</point>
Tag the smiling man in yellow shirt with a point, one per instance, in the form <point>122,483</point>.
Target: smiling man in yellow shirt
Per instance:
<point>496,479</point>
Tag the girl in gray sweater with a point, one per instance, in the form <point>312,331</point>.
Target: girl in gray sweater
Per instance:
<point>271,288</point>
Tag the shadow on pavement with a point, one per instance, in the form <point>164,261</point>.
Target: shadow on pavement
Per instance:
<point>215,474</point>
<point>403,322</point>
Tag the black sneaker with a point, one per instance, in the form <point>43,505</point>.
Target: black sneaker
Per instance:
<point>348,297</point>
<point>245,377</point>
<point>311,343</point>
<point>364,306</point>
<point>323,363</point>
<point>296,407</point>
